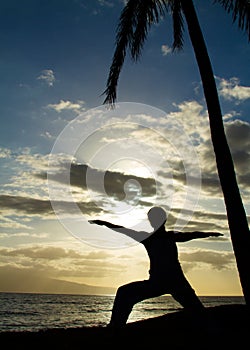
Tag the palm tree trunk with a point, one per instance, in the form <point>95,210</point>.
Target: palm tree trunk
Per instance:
<point>236,215</point>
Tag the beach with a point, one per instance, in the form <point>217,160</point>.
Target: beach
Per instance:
<point>224,325</point>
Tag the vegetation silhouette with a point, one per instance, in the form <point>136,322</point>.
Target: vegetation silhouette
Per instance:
<point>134,24</point>
<point>165,274</point>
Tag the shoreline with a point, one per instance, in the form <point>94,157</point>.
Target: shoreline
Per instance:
<point>223,325</point>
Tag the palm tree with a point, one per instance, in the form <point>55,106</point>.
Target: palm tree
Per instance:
<point>134,24</point>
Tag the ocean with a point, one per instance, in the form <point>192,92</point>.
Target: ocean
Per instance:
<point>33,312</point>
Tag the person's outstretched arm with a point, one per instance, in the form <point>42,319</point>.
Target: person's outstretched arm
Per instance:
<point>106,223</point>
<point>136,235</point>
<point>188,236</point>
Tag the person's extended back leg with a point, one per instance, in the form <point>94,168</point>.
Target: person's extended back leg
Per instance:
<point>189,300</point>
<point>191,303</point>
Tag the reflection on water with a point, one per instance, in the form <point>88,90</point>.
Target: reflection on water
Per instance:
<point>19,312</point>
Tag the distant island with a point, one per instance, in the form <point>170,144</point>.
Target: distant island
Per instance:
<point>55,286</point>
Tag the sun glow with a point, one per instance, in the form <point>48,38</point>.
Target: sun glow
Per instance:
<point>140,171</point>
<point>133,167</point>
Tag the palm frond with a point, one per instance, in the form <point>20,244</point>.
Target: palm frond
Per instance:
<point>148,13</point>
<point>178,26</point>
<point>123,38</point>
<point>134,23</point>
<point>240,10</point>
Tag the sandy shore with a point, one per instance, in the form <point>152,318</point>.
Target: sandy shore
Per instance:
<point>225,325</point>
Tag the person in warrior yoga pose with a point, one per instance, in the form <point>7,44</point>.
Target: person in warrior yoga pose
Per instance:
<point>165,274</point>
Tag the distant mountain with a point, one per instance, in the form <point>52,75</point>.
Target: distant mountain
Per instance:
<point>24,283</point>
<point>65,287</point>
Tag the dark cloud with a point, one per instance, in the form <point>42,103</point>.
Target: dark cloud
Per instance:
<point>209,179</point>
<point>238,136</point>
<point>112,183</point>
<point>26,205</point>
<point>202,215</point>
<point>199,220</point>
<point>117,185</point>
<point>32,206</point>
<point>238,133</point>
<point>211,184</point>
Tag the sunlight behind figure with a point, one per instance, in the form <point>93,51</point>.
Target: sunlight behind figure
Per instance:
<point>117,163</point>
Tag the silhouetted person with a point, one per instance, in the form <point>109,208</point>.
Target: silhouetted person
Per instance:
<point>165,274</point>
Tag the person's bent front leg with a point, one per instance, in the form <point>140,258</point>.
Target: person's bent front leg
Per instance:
<point>126,297</point>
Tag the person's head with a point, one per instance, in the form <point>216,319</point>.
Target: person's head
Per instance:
<point>157,217</point>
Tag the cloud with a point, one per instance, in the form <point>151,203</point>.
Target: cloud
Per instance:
<point>238,136</point>
<point>5,153</point>
<point>238,133</point>
<point>23,235</point>
<point>165,50</point>
<point>47,253</point>
<point>46,135</point>
<point>55,261</point>
<point>53,253</point>
<point>67,105</point>
<point>108,184</point>
<point>47,76</point>
<point>111,183</point>
<point>194,121</point>
<point>25,205</point>
<point>231,115</point>
<point>105,3</point>
<point>27,193</point>
<point>37,264</point>
<point>26,196</point>
<point>12,223</point>
<point>216,259</point>
<point>202,220</point>
<point>232,90</point>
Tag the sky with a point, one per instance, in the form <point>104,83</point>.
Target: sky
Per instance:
<point>66,159</point>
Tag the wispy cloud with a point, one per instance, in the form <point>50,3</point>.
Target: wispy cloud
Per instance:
<point>232,90</point>
<point>47,76</point>
<point>165,50</point>
<point>12,223</point>
<point>5,152</point>
<point>106,3</point>
<point>46,135</point>
<point>215,259</point>
<point>55,253</point>
<point>67,105</point>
